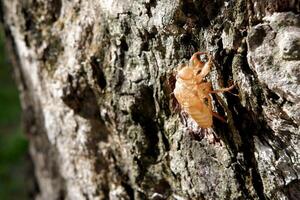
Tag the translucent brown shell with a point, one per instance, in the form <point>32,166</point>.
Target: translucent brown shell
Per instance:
<point>193,92</point>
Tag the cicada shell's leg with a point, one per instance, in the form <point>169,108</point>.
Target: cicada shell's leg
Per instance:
<point>204,88</point>
<point>206,69</point>
<point>216,115</point>
<point>202,91</point>
<point>207,101</point>
<point>224,90</point>
<point>194,56</point>
<point>196,63</point>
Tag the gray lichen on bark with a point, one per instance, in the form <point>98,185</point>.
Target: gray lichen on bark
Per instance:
<point>96,80</point>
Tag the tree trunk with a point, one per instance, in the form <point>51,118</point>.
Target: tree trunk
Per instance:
<point>96,81</point>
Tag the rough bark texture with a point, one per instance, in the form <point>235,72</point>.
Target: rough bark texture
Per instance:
<point>96,79</point>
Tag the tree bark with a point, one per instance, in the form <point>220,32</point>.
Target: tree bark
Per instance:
<point>96,81</point>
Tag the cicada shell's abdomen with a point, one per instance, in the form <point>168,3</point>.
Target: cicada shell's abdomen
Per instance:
<point>197,109</point>
<point>201,114</point>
